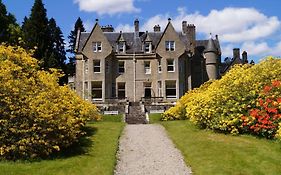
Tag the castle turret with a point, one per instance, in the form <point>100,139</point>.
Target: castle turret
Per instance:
<point>211,56</point>
<point>244,57</point>
<point>189,31</point>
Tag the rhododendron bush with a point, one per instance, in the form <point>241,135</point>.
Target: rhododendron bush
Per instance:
<point>245,100</point>
<point>37,116</point>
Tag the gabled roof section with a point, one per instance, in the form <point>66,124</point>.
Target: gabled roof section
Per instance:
<point>165,30</point>
<point>121,38</point>
<point>94,28</point>
<point>204,43</point>
<point>147,38</point>
<point>96,25</point>
<point>82,40</point>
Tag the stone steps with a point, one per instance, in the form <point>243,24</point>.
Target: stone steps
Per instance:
<point>135,115</point>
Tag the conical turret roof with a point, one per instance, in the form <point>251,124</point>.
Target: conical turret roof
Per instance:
<point>211,47</point>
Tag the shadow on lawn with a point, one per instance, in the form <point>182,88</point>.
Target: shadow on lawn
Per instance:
<point>81,147</point>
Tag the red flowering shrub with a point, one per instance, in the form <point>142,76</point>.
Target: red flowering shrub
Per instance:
<point>265,118</point>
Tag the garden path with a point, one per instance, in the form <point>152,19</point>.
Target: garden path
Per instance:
<point>146,149</point>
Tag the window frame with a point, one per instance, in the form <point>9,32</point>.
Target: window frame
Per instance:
<point>122,90</point>
<point>147,47</point>
<point>147,70</point>
<point>169,65</point>
<point>121,47</point>
<point>170,46</point>
<point>99,88</point>
<point>159,62</point>
<point>97,46</point>
<point>121,72</point>
<point>97,66</point>
<point>167,88</point>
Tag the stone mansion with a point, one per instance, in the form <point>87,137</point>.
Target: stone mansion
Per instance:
<point>139,65</point>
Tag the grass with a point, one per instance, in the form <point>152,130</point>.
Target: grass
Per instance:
<point>98,159</point>
<point>213,153</point>
<point>154,118</point>
<point>112,118</point>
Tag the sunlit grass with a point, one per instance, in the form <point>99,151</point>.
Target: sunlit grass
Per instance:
<point>95,156</point>
<point>213,153</point>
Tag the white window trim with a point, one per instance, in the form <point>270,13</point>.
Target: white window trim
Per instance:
<point>96,66</point>
<point>169,48</point>
<point>174,67</point>
<point>123,90</point>
<point>146,69</point>
<point>96,46</point>
<point>172,96</point>
<point>123,46</point>
<point>159,66</point>
<point>149,44</point>
<point>97,99</point>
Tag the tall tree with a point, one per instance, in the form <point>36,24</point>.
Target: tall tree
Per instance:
<point>72,42</point>
<point>46,38</point>
<point>9,29</point>
<point>35,32</point>
<point>57,52</point>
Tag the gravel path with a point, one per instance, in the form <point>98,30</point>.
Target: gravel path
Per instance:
<point>146,150</point>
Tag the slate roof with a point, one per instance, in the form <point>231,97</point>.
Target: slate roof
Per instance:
<point>134,44</point>
<point>83,38</point>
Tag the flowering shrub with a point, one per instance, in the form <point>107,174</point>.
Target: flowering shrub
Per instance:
<point>265,118</point>
<point>219,105</point>
<point>37,116</point>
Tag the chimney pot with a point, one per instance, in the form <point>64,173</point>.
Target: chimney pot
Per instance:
<point>157,28</point>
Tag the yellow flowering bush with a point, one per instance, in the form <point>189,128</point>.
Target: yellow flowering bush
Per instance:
<point>220,104</point>
<point>37,116</point>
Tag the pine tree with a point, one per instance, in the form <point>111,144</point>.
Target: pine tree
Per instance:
<point>72,41</point>
<point>57,57</point>
<point>9,29</point>
<point>35,32</point>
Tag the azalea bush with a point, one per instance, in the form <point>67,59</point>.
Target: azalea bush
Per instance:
<point>219,105</point>
<point>264,120</point>
<point>37,116</point>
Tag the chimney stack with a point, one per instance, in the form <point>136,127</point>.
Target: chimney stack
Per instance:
<point>107,28</point>
<point>137,27</point>
<point>184,27</point>
<point>236,53</point>
<point>191,37</point>
<point>157,28</point>
<point>245,58</point>
<point>77,39</point>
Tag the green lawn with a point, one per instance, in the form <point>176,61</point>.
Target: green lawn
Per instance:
<point>99,158</point>
<point>212,153</point>
<point>154,118</point>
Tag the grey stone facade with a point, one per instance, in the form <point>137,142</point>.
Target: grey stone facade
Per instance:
<point>133,66</point>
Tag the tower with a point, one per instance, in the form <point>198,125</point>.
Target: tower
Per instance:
<point>211,56</point>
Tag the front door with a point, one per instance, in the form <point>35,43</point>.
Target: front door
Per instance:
<point>147,92</point>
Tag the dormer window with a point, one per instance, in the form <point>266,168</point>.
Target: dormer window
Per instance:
<point>122,46</point>
<point>147,47</point>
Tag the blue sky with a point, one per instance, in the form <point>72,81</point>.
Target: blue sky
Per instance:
<point>252,25</point>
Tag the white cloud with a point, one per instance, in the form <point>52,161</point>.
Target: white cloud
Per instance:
<point>110,7</point>
<point>246,28</point>
<point>260,48</point>
<point>124,28</point>
<point>231,24</point>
